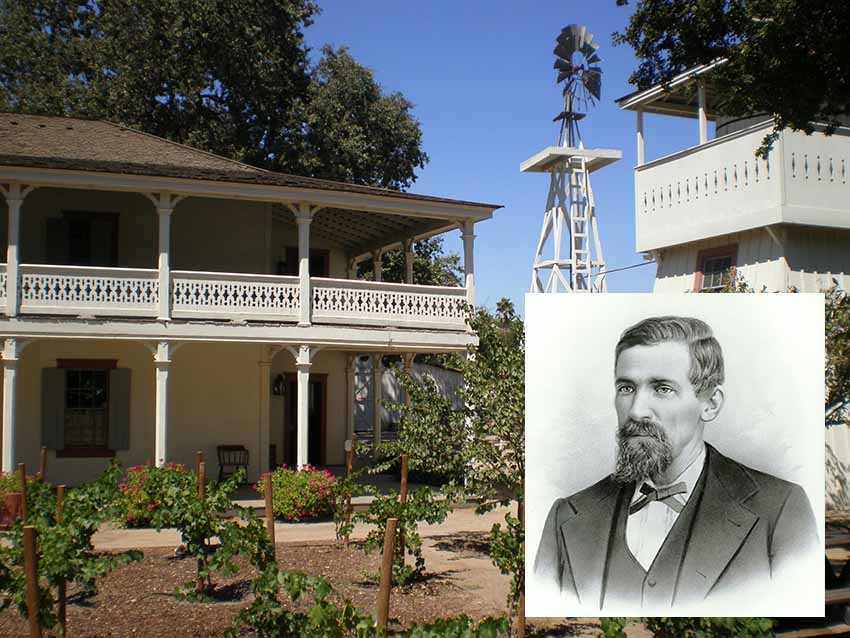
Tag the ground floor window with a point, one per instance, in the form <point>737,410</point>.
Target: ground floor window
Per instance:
<point>85,421</point>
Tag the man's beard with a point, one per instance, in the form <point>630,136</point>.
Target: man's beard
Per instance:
<point>641,458</point>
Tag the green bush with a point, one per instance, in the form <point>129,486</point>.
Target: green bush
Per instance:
<point>300,494</point>
<point>693,627</point>
<point>144,489</point>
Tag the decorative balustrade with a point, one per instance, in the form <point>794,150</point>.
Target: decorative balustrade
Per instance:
<point>385,304</point>
<point>132,292</point>
<point>235,296</point>
<point>84,290</point>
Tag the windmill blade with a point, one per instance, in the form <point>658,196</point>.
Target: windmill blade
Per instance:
<point>593,83</point>
<point>565,51</point>
<point>564,65</point>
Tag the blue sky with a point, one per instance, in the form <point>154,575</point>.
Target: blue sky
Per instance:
<point>481,78</point>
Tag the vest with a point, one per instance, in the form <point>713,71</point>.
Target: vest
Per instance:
<point>625,580</point>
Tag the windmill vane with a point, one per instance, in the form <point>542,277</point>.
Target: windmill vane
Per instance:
<point>577,65</point>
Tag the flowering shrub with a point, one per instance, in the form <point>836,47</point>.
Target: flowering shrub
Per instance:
<point>10,482</point>
<point>299,494</point>
<point>144,488</point>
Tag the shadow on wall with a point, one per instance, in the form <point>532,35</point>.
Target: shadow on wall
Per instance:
<point>837,486</point>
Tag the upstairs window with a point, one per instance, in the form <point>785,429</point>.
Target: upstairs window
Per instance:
<point>715,268</point>
<point>80,238</point>
<point>319,259</point>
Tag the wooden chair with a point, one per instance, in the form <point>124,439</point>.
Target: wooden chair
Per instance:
<point>233,457</point>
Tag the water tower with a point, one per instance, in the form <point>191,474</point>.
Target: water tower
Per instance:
<point>569,253</point>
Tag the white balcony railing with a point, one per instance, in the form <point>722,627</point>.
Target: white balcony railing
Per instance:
<point>716,188</point>
<point>132,292</point>
<point>234,296</point>
<point>83,290</point>
<point>387,304</point>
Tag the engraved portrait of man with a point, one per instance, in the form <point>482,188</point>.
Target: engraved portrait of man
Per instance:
<point>678,522</point>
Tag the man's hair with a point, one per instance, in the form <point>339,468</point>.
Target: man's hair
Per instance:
<point>706,371</point>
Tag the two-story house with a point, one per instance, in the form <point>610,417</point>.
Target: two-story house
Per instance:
<point>157,300</point>
<point>783,222</point>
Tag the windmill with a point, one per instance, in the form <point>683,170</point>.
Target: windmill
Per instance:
<point>570,228</point>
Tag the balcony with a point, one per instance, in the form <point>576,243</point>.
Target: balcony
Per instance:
<point>721,187</point>
<point>131,292</point>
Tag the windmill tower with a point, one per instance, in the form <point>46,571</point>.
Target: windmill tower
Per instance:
<point>569,253</point>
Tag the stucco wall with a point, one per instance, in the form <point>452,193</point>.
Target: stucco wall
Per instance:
<point>214,399</point>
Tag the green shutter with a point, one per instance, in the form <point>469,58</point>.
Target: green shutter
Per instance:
<point>119,409</point>
<point>53,408</point>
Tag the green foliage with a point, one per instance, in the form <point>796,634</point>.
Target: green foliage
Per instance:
<point>159,67</point>
<point>200,520</point>
<point>484,443</point>
<point>144,489</point>
<point>65,551</point>
<point>775,66</point>
<point>506,552</point>
<point>837,318</point>
<point>423,505</point>
<point>355,133</point>
<point>328,615</point>
<point>710,627</point>
<point>431,266</point>
<point>613,627</point>
<point>300,494</point>
<point>692,627</point>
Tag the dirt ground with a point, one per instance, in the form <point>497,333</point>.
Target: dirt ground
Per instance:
<point>138,600</point>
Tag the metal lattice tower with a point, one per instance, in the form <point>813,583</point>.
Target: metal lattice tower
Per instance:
<point>570,232</point>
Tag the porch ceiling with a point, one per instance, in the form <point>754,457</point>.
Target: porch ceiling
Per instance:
<point>358,232</point>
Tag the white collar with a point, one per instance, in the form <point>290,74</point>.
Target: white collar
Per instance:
<point>689,476</point>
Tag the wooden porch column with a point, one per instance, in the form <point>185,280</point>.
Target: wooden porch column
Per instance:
<point>303,361</point>
<point>377,377</point>
<point>14,198</point>
<point>408,368</point>
<point>408,261</point>
<point>469,260</point>
<point>377,263</point>
<point>162,361</point>
<point>164,203</point>
<point>303,217</point>
<point>264,421</point>
<point>11,353</point>
<point>350,387</point>
<point>641,150</point>
<point>703,120</point>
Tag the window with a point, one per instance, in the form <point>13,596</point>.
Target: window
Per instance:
<point>714,268</point>
<point>318,262</point>
<point>85,407</point>
<point>83,239</point>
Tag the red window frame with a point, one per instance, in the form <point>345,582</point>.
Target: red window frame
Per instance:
<point>730,250</point>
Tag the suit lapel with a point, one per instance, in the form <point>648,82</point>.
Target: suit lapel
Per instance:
<point>720,526</point>
<point>586,533</point>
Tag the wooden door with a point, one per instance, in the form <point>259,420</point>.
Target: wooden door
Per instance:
<point>317,419</point>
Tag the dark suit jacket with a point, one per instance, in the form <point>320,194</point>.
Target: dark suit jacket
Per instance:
<point>743,528</point>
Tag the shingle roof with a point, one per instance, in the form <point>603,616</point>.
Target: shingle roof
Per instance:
<point>41,141</point>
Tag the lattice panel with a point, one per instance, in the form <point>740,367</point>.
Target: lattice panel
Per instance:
<point>242,297</point>
<point>88,292</point>
<point>389,305</point>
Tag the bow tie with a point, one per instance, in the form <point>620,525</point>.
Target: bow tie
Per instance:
<point>663,494</point>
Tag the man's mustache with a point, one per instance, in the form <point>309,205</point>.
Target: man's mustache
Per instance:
<point>642,428</point>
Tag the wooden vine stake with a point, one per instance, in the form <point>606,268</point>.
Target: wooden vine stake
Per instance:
<point>199,458</point>
<point>521,611</point>
<point>22,473</point>
<point>31,570</point>
<point>42,464</point>
<point>402,498</point>
<point>267,489</point>
<point>386,578</point>
<point>60,589</point>
<point>349,467</point>
<point>202,471</point>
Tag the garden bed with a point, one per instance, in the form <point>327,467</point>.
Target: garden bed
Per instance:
<point>138,600</point>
